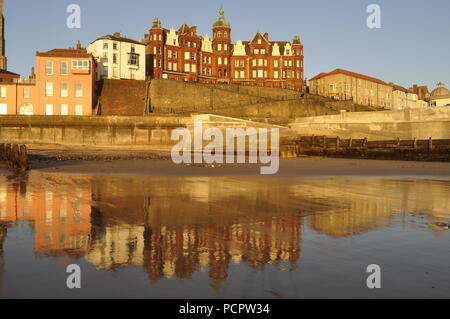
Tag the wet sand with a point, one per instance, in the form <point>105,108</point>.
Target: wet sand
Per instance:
<point>158,163</point>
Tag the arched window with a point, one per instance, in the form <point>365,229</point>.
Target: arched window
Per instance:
<point>26,109</point>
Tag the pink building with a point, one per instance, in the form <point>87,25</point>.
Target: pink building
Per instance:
<point>64,85</point>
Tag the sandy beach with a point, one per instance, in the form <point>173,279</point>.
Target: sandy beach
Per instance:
<point>140,161</point>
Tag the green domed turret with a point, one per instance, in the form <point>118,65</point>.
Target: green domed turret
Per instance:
<point>221,22</point>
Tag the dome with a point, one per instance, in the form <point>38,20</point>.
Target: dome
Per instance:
<point>221,22</point>
<point>439,91</point>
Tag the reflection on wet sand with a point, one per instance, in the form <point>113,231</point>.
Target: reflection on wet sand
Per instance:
<point>173,227</point>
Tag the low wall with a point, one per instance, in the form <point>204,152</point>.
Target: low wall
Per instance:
<point>86,130</point>
<point>405,124</point>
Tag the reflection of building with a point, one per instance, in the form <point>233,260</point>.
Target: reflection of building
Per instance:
<point>118,57</point>
<point>61,219</point>
<point>205,230</point>
<point>64,85</point>
<point>183,55</point>
<point>440,96</point>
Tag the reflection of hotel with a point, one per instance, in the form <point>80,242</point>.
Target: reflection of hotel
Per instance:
<point>174,228</point>
<point>180,237</point>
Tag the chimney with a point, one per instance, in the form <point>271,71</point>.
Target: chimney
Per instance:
<point>266,36</point>
<point>33,74</point>
<point>79,45</point>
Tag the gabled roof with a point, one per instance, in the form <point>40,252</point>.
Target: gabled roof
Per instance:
<point>349,73</point>
<point>117,38</point>
<point>79,53</point>
<point>183,29</point>
<point>9,72</point>
<point>256,35</point>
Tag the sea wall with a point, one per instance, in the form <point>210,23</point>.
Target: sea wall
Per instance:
<point>87,130</point>
<point>404,124</point>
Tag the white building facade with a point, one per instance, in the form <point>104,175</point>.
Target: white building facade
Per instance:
<point>118,58</point>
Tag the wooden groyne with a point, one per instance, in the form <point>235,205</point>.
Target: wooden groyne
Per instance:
<point>14,156</point>
<point>430,149</point>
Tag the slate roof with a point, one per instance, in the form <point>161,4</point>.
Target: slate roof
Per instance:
<point>353,74</point>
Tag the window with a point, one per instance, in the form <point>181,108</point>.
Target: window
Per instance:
<point>275,74</point>
<point>260,62</point>
<point>219,60</point>
<point>133,59</point>
<point>259,41</point>
<point>80,65</point>
<point>236,63</point>
<point>64,90</point>
<point>186,55</point>
<point>48,109</point>
<point>219,47</point>
<point>48,89</point>
<point>256,51</point>
<point>115,46</point>
<point>49,68</point>
<point>242,74</point>
<point>187,68</point>
<point>298,63</point>
<point>236,74</point>
<point>64,68</point>
<point>3,109</point>
<point>175,67</point>
<point>241,63</point>
<point>254,73</point>
<point>169,54</point>
<point>225,61</point>
<point>79,90</point>
<point>3,91</point>
<point>192,56</point>
<point>254,62</point>
<point>64,109</point>
<point>193,68</point>
<point>115,58</point>
<point>79,110</point>
<point>225,47</point>
<point>133,49</point>
<point>105,45</point>
<point>154,50</point>
<point>26,93</point>
<point>260,73</point>
<point>263,51</point>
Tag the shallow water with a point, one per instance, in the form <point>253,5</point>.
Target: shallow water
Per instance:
<point>223,237</point>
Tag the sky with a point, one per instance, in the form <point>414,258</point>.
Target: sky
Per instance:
<point>411,47</point>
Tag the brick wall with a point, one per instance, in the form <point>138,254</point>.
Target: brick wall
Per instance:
<point>122,97</point>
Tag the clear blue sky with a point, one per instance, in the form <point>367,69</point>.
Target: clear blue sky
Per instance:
<point>413,45</point>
